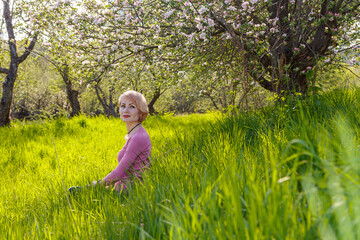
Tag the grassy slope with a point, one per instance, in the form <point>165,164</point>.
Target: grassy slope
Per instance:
<point>284,173</point>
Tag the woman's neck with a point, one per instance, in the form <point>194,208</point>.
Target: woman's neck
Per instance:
<point>131,127</point>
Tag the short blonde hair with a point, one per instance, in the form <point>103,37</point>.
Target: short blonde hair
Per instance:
<point>140,102</point>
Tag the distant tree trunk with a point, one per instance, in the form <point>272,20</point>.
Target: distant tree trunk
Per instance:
<point>208,94</point>
<point>156,96</point>
<point>109,109</point>
<point>11,73</point>
<point>71,94</point>
<point>111,105</point>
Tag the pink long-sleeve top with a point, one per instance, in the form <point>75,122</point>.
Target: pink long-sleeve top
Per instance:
<point>133,158</point>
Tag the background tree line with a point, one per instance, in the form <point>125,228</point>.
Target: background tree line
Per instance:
<point>63,56</point>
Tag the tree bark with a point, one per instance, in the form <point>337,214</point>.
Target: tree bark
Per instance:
<point>156,96</point>
<point>6,99</point>
<point>109,109</point>
<point>71,94</point>
<point>212,99</point>
<point>11,72</point>
<point>111,105</point>
<point>286,69</point>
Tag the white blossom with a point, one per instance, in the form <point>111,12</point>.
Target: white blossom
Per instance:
<point>203,9</point>
<point>168,14</point>
<point>203,35</point>
<point>211,22</point>
<point>245,5</point>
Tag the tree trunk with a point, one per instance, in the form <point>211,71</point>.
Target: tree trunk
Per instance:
<point>109,109</point>
<point>153,100</point>
<point>212,99</point>
<point>11,73</point>
<point>296,82</point>
<point>6,99</point>
<point>286,70</point>
<point>71,94</point>
<point>111,105</point>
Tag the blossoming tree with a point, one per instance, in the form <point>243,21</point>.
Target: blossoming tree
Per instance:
<point>99,34</point>
<point>277,43</point>
<point>81,61</point>
<point>15,59</point>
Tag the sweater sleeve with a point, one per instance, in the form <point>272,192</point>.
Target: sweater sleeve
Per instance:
<point>121,154</point>
<point>135,147</point>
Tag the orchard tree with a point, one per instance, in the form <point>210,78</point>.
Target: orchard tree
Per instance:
<point>38,91</point>
<point>81,61</point>
<point>141,76</point>
<point>155,75</point>
<point>90,31</point>
<point>280,41</point>
<point>67,55</point>
<point>81,48</point>
<point>277,43</point>
<point>15,58</point>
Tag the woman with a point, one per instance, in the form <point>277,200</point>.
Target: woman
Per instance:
<point>134,157</point>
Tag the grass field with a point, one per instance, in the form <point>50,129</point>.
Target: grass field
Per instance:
<point>284,172</point>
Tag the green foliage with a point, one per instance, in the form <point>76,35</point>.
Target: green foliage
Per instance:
<point>334,77</point>
<point>39,88</point>
<point>277,44</point>
<point>289,172</point>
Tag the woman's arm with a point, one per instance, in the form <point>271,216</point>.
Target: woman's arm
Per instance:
<point>136,147</point>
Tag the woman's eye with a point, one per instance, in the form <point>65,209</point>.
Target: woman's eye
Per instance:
<point>122,106</point>
<point>132,106</point>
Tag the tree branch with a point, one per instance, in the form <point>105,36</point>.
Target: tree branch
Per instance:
<point>351,71</point>
<point>28,49</point>
<point>4,70</point>
<point>10,30</point>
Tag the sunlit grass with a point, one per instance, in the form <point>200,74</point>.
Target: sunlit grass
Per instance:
<point>287,172</point>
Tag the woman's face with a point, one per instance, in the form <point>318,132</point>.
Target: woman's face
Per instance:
<point>128,110</point>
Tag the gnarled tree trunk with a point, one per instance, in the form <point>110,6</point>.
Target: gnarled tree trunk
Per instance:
<point>156,96</point>
<point>286,67</point>
<point>6,99</point>
<point>71,94</point>
<point>109,108</point>
<point>11,72</point>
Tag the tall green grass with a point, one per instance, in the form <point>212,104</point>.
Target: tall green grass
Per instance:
<point>285,172</point>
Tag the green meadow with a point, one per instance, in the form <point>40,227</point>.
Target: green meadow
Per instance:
<point>289,171</point>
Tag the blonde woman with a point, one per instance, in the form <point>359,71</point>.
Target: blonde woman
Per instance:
<point>134,157</point>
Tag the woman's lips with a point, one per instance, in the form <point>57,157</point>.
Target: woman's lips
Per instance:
<point>126,116</point>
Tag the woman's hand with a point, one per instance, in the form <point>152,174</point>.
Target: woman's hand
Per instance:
<point>96,182</point>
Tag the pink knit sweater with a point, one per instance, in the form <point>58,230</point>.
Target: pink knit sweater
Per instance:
<point>133,158</point>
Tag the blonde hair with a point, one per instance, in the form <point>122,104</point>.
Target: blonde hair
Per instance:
<point>139,101</point>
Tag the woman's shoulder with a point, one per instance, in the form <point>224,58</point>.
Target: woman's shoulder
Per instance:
<point>140,134</point>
